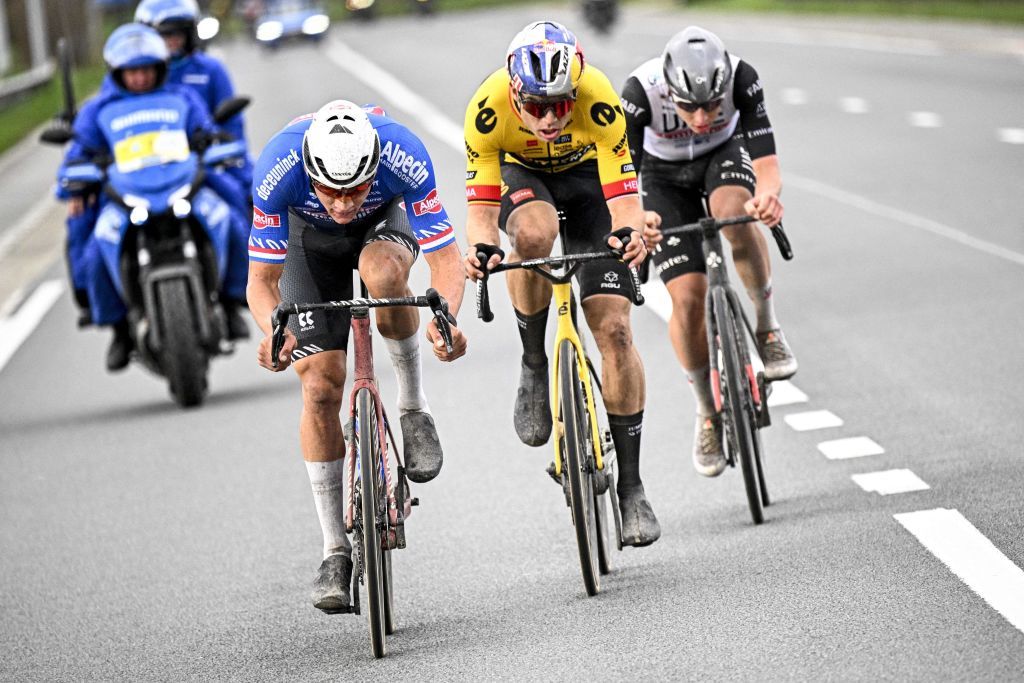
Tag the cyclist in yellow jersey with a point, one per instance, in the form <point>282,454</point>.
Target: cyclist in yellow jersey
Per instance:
<point>545,135</point>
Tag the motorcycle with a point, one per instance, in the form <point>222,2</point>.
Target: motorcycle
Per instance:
<point>601,14</point>
<point>163,238</point>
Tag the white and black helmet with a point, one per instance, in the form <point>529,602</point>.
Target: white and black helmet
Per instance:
<point>340,149</point>
<point>696,66</point>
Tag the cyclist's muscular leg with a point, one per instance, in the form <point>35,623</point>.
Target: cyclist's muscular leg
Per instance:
<point>384,267</point>
<point>532,229</point>
<point>624,396</point>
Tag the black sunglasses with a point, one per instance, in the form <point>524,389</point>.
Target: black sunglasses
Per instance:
<point>691,107</point>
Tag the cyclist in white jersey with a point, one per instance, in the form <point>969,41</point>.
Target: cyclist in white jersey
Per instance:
<point>698,129</point>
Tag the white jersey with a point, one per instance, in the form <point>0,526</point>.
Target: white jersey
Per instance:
<point>667,136</point>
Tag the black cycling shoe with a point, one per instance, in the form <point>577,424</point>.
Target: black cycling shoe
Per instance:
<point>238,328</point>
<point>120,349</point>
<point>331,587</point>
<point>533,407</point>
<point>422,448</point>
<point>639,525</point>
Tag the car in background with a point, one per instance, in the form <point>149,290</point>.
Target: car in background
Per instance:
<point>272,21</point>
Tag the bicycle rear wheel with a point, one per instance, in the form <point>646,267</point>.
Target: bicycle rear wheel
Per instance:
<point>374,516</point>
<point>736,401</point>
<point>578,455</point>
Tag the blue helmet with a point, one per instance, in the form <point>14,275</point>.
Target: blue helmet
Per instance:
<point>135,45</point>
<point>545,60</point>
<point>168,16</point>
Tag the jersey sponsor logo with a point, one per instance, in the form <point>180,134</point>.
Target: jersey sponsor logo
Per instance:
<point>631,108</point>
<point>611,280</point>
<point>404,164</point>
<point>759,132</point>
<point>261,220</point>
<point>532,143</point>
<point>620,147</point>
<point>673,240</point>
<point>429,204</point>
<point>483,193</point>
<point>470,175</point>
<point>138,118</point>
<point>521,195</point>
<point>196,79</point>
<point>755,88</point>
<point>486,120</point>
<point>471,153</point>
<point>306,321</point>
<point>761,111</point>
<point>602,113</point>
<point>628,168</point>
<point>269,250</point>
<point>276,174</point>
<point>735,175</point>
<point>619,188</point>
<point>672,261</point>
<point>563,139</point>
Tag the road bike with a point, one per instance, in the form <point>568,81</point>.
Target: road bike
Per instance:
<point>740,391</point>
<point>377,504</point>
<point>584,454</point>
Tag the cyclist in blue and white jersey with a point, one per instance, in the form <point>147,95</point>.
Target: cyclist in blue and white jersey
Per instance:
<point>339,191</point>
<point>697,126</point>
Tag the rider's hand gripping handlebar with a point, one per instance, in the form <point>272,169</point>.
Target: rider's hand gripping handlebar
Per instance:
<point>442,317</point>
<point>278,324</point>
<point>484,252</point>
<point>625,235</point>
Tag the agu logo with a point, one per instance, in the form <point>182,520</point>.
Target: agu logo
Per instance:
<point>430,204</point>
<point>262,220</point>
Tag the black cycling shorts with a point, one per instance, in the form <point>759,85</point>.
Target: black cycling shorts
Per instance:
<point>576,194</point>
<point>319,267</point>
<point>675,189</point>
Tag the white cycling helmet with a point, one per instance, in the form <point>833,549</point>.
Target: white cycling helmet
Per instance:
<point>340,149</point>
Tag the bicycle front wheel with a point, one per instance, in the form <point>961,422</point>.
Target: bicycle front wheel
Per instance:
<point>578,461</point>
<point>738,419</point>
<point>373,508</point>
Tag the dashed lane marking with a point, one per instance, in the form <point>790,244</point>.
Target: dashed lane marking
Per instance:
<point>889,482</point>
<point>924,119</point>
<point>793,96</point>
<point>1014,136</point>
<point>16,329</point>
<point>854,447</point>
<point>785,393</point>
<point>854,105</point>
<point>974,559</point>
<point>813,419</point>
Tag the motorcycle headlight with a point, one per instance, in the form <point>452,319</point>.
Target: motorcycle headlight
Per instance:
<point>269,30</point>
<point>139,215</point>
<point>315,24</point>
<point>207,28</point>
<point>181,208</point>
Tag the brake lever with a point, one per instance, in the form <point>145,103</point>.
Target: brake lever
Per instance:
<point>278,323</point>
<point>442,317</point>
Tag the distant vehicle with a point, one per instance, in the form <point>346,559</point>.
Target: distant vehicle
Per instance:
<point>275,20</point>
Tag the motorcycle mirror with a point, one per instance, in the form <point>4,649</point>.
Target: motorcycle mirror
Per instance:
<point>56,135</point>
<point>228,108</point>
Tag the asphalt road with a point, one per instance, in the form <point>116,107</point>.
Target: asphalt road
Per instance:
<point>143,542</point>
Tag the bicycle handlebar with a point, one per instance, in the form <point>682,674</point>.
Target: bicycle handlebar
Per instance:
<point>432,299</point>
<point>571,262</point>
<point>716,224</point>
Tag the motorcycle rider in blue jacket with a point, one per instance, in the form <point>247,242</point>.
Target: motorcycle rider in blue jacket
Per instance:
<point>131,120</point>
<point>175,21</point>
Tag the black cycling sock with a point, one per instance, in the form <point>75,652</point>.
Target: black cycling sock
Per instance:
<point>532,330</point>
<point>626,431</point>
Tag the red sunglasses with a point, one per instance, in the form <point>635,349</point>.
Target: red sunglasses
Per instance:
<point>339,194</point>
<point>691,107</point>
<point>539,108</point>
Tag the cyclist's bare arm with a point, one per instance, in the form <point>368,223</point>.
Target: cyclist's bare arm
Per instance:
<point>449,279</point>
<point>765,205</point>
<point>263,295</point>
<point>626,211</point>
<point>481,227</point>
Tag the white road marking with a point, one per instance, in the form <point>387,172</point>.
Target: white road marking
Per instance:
<point>16,329</point>
<point>1014,136</point>
<point>813,419</point>
<point>924,119</point>
<point>972,558</point>
<point>854,447</point>
<point>853,41</point>
<point>657,298</point>
<point>793,96</point>
<point>785,393</point>
<point>889,482</point>
<point>905,217</point>
<point>854,105</point>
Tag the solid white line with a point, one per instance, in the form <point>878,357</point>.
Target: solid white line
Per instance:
<point>813,419</point>
<point>1014,136</point>
<point>972,558</point>
<point>397,93</point>
<point>16,329</point>
<point>889,482</point>
<point>852,41</point>
<point>785,393</point>
<point>854,447</point>
<point>905,217</point>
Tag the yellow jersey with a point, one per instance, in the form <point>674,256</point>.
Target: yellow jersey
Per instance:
<point>495,131</point>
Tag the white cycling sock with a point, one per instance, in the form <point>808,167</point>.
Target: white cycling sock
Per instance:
<point>405,358</point>
<point>700,385</point>
<point>764,306</point>
<point>326,479</point>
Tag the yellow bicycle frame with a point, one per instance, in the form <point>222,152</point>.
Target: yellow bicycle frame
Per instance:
<point>567,330</point>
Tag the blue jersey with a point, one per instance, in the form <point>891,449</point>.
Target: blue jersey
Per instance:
<point>280,184</point>
<point>210,80</point>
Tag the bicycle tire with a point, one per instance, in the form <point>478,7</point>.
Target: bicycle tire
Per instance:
<point>389,617</point>
<point>369,453</point>
<point>737,419</point>
<point>578,459</point>
<point>603,533</point>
